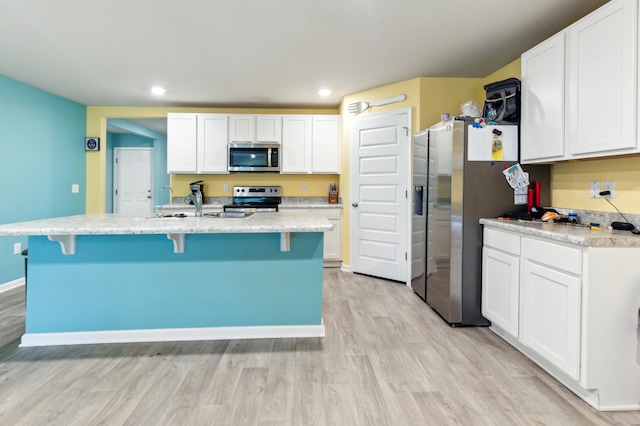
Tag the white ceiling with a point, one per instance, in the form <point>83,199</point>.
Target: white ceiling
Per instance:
<point>262,53</point>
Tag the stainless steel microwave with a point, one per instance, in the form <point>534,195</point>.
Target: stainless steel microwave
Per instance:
<point>254,157</point>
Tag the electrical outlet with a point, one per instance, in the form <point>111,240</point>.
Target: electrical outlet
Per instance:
<point>17,248</point>
<point>304,187</point>
<point>225,187</point>
<point>611,187</point>
<point>75,188</point>
<point>594,189</point>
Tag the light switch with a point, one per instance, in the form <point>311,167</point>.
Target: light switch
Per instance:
<point>75,188</point>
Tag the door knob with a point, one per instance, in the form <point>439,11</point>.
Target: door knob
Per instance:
<point>354,204</point>
<point>148,196</point>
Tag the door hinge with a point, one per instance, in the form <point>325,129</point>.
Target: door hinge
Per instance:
<point>116,192</point>
<point>116,160</point>
<point>405,256</point>
<point>406,194</point>
<point>406,131</point>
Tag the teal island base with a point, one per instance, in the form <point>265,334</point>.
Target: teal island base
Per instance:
<point>134,288</point>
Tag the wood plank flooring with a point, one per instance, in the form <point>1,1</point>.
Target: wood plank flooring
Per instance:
<point>387,359</point>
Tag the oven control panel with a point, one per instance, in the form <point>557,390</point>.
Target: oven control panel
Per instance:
<point>257,191</point>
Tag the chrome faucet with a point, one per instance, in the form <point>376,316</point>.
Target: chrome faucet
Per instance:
<point>196,197</point>
<point>161,210</point>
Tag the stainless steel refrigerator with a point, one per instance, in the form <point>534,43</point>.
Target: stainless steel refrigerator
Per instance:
<point>465,182</point>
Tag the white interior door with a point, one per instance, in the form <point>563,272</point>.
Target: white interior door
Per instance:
<point>133,180</point>
<point>380,177</point>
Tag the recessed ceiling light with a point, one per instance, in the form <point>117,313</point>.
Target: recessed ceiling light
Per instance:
<point>324,92</point>
<point>158,90</point>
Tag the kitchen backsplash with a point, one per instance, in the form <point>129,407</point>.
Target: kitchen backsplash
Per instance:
<point>603,218</point>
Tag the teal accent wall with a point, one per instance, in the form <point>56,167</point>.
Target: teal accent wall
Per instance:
<point>132,282</point>
<point>41,156</point>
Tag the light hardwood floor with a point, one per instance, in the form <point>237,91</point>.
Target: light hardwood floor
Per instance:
<point>387,359</point>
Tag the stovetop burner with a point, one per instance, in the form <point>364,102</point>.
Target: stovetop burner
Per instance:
<point>255,198</point>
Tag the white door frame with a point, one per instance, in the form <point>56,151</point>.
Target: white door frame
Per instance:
<point>116,171</point>
<point>407,182</point>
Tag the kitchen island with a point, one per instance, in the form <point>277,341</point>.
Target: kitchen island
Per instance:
<point>103,278</point>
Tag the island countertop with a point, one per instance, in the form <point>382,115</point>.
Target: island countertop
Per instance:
<point>117,224</point>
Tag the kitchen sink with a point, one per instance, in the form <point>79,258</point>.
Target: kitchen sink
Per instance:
<point>173,215</point>
<point>229,214</point>
<point>205,215</point>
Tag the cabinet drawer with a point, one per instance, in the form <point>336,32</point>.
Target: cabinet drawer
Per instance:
<point>503,241</point>
<point>556,256</point>
<point>330,213</point>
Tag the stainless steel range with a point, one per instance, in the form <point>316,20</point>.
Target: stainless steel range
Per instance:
<point>255,199</point>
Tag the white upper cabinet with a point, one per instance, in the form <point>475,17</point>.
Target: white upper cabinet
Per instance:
<point>197,143</point>
<point>542,120</point>
<point>255,128</point>
<point>181,143</point>
<point>325,151</point>
<point>296,144</point>
<point>310,144</point>
<point>242,128</point>
<point>579,88</point>
<point>212,143</point>
<point>601,81</point>
<point>269,128</point>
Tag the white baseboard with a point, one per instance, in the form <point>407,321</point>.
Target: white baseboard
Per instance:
<point>171,334</point>
<point>12,284</point>
<point>345,268</point>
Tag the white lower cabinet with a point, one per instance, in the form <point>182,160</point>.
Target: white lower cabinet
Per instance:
<point>550,313</point>
<point>500,279</point>
<point>551,288</point>
<point>332,249</point>
<point>332,239</point>
<point>572,309</point>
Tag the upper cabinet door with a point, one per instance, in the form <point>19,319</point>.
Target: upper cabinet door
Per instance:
<point>242,128</point>
<point>181,143</point>
<point>543,89</point>
<point>325,153</point>
<point>269,128</point>
<point>296,144</point>
<point>212,143</point>
<point>601,81</point>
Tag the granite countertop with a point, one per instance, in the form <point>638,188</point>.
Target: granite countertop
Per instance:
<point>569,233</point>
<point>108,223</point>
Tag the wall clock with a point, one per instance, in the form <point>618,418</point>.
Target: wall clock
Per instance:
<point>92,144</point>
